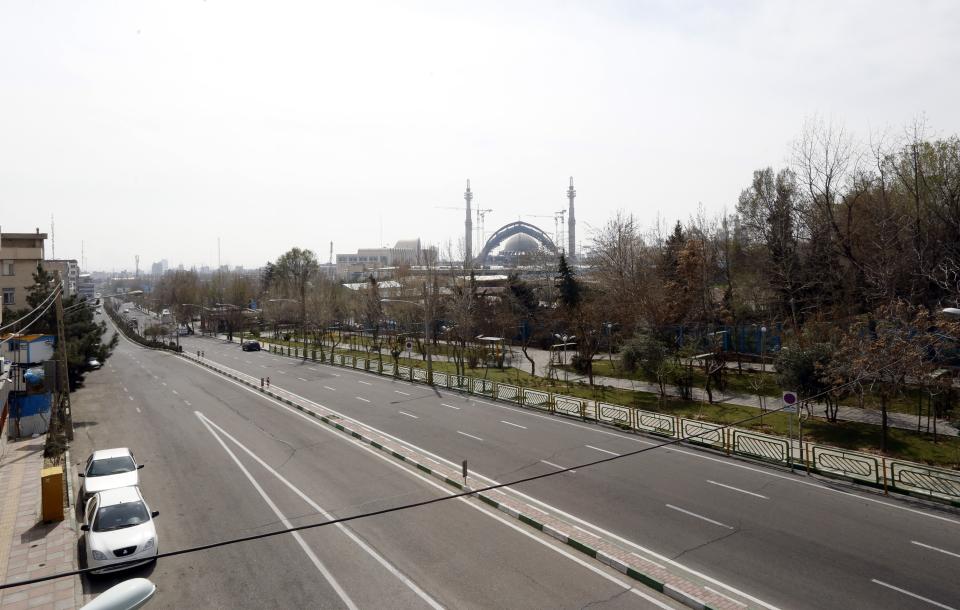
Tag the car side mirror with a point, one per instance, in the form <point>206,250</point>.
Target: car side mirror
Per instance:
<point>81,475</point>
<point>84,528</point>
<point>139,466</point>
<point>155,513</point>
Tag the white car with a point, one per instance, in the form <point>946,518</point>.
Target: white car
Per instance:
<point>119,530</point>
<point>108,469</point>
<point>93,364</point>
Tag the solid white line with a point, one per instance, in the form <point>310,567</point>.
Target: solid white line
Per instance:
<point>743,491</point>
<point>933,548</point>
<point>503,421</point>
<point>301,378</point>
<point>913,595</point>
<point>470,435</point>
<point>603,450</point>
<point>557,467</point>
<point>349,533</point>
<point>449,406</point>
<point>562,513</point>
<point>408,414</point>
<point>644,559</point>
<point>708,520</point>
<point>361,398</point>
<point>399,392</point>
<point>715,592</point>
<point>326,387</point>
<point>364,382</point>
<point>283,519</point>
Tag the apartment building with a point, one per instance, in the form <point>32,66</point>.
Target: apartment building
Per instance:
<point>20,253</point>
<point>69,272</point>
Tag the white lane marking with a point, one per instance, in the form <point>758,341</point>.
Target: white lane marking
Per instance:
<point>599,449</point>
<point>349,533</point>
<point>443,404</point>
<point>131,398</point>
<point>138,410</point>
<point>282,372</point>
<point>248,362</point>
<point>509,423</point>
<point>176,393</point>
<point>326,387</point>
<point>361,398</point>
<point>715,592</point>
<point>470,435</point>
<point>692,514</point>
<point>557,467</point>
<point>913,595</point>
<point>933,548</point>
<point>163,383</point>
<point>263,366</point>
<point>743,491</point>
<point>335,374</point>
<point>283,519</point>
<point>399,392</point>
<point>310,368</point>
<point>364,382</point>
<point>301,378</point>
<point>187,402</point>
<point>476,506</point>
<point>408,414</point>
<point>490,481</point>
<point>126,390</point>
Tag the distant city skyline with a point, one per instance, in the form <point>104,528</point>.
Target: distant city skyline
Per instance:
<point>154,130</point>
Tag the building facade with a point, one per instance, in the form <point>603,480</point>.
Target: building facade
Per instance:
<point>69,272</point>
<point>404,252</point>
<point>20,253</point>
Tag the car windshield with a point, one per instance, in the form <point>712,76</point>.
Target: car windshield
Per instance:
<point>114,465</point>
<point>120,516</point>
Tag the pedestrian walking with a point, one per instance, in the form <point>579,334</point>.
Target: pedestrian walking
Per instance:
<point>268,382</point>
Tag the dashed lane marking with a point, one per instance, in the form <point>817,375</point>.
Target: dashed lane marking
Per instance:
<point>470,435</point>
<point>599,449</point>
<point>557,467</point>
<point>503,421</point>
<point>408,414</point>
<point>693,514</point>
<point>361,398</point>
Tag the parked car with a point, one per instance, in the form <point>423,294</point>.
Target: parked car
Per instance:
<point>93,364</point>
<point>126,310</point>
<point>108,469</point>
<point>118,529</point>
<point>250,346</point>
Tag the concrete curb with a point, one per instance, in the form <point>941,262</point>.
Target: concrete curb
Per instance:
<point>650,576</point>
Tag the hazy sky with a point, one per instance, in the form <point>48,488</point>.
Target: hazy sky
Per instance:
<point>154,128</point>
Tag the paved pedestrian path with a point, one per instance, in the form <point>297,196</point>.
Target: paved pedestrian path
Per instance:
<point>29,547</point>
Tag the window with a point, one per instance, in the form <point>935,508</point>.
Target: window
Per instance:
<point>8,296</point>
<point>6,267</point>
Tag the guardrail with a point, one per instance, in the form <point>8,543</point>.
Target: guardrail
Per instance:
<point>897,475</point>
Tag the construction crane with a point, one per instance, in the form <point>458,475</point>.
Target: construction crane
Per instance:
<point>557,225</point>
<point>481,215</point>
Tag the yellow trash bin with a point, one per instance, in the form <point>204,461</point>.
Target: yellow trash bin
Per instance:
<point>51,493</point>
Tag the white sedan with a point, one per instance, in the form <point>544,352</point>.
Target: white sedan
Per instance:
<point>119,530</point>
<point>108,469</point>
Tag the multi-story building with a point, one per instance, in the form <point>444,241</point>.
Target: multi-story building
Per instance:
<point>85,286</point>
<point>404,252</point>
<point>20,253</point>
<point>69,272</point>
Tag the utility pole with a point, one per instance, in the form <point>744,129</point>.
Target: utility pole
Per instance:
<point>60,408</point>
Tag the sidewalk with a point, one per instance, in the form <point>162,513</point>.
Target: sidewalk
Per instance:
<point>29,547</point>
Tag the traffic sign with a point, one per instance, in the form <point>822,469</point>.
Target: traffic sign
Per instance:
<point>790,401</point>
<point>409,345</point>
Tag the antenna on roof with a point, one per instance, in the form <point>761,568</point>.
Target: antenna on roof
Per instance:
<point>53,240</point>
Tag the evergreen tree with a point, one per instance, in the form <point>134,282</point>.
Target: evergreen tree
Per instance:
<point>568,285</point>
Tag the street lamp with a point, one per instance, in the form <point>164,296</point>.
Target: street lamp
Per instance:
<point>427,323</point>
<point>565,338</point>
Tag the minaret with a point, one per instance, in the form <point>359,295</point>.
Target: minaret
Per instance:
<point>468,234</point>
<point>571,225</point>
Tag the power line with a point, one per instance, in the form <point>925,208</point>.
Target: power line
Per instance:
<point>29,313</point>
<point>40,315</point>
